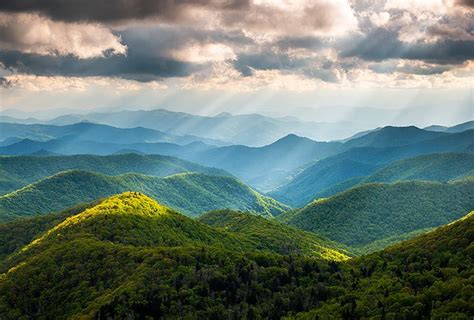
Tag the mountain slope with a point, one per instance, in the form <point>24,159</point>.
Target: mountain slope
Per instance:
<point>91,266</point>
<point>377,211</point>
<point>429,277</point>
<point>432,167</point>
<point>272,235</point>
<point>128,245</point>
<point>17,172</point>
<point>392,137</point>
<point>264,167</point>
<point>359,162</point>
<point>191,193</point>
<point>267,167</point>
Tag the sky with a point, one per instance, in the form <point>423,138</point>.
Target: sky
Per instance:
<point>320,60</point>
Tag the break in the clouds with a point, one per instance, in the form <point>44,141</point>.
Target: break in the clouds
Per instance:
<point>227,43</point>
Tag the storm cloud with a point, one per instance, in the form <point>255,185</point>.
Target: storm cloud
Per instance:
<point>381,44</point>
<point>114,11</point>
<point>148,40</point>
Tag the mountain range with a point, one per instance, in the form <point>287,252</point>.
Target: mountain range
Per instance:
<point>350,167</point>
<point>86,263</point>
<point>247,129</point>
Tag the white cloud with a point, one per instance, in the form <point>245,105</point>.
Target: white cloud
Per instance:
<point>267,19</point>
<point>380,19</point>
<point>32,33</point>
<point>200,53</point>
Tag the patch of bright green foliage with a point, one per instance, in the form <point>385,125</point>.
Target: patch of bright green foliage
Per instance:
<point>272,235</point>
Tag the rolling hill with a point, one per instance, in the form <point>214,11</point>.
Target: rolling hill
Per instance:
<point>376,211</point>
<point>433,167</point>
<point>360,162</point>
<point>91,266</point>
<point>272,235</point>
<point>191,193</point>
<point>17,172</point>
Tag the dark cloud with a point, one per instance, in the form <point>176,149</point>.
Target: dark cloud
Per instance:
<point>112,11</point>
<point>148,57</point>
<point>266,61</point>
<point>5,83</point>
<point>465,3</point>
<point>133,66</point>
<point>382,44</point>
<point>313,43</point>
<point>393,66</point>
<point>247,63</point>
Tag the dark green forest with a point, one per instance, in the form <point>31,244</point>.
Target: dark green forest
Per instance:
<point>378,211</point>
<point>17,172</point>
<point>191,193</point>
<point>130,257</point>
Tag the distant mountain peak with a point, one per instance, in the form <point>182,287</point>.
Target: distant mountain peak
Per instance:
<point>224,115</point>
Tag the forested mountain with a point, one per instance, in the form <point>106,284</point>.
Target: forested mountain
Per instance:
<point>84,131</point>
<point>122,242</point>
<point>429,277</point>
<point>191,193</point>
<point>264,167</point>
<point>173,267</point>
<point>432,167</point>
<point>272,235</point>
<point>269,166</point>
<point>392,137</point>
<point>361,162</point>
<point>376,211</point>
<point>17,172</point>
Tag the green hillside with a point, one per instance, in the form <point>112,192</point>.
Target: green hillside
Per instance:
<point>129,257</point>
<point>17,172</point>
<point>429,277</point>
<point>89,262</point>
<point>272,235</point>
<point>16,234</point>
<point>377,211</point>
<point>432,167</point>
<point>191,193</point>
